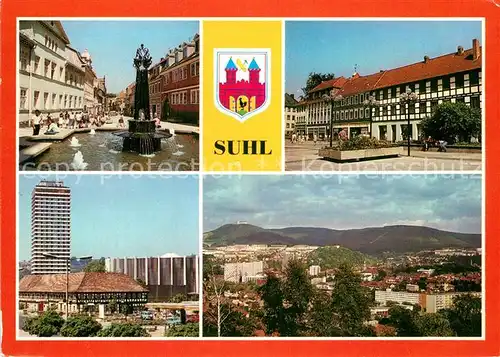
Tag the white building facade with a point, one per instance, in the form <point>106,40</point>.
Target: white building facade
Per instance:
<point>50,72</point>
<point>370,105</point>
<point>50,228</point>
<point>238,272</point>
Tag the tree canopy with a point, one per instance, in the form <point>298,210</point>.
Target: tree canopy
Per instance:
<point>187,330</point>
<point>314,79</point>
<point>453,122</point>
<point>80,326</point>
<point>96,266</point>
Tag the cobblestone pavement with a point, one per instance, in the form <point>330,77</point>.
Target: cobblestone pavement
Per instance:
<point>304,157</point>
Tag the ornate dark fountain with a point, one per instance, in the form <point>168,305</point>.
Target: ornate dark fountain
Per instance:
<point>141,135</point>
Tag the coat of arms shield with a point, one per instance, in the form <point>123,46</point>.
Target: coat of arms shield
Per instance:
<point>242,84</point>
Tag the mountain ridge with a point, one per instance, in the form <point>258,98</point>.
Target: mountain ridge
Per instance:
<point>369,240</point>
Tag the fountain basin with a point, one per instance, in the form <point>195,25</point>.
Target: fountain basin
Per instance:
<point>142,137</point>
<point>103,152</point>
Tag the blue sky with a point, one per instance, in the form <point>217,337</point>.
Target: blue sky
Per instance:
<point>112,44</point>
<point>448,202</point>
<point>122,215</point>
<point>337,46</point>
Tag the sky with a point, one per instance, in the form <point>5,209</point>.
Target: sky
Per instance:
<point>337,46</point>
<point>122,215</point>
<point>112,44</point>
<point>447,202</point>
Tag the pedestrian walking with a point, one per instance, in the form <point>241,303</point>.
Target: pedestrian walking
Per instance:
<point>36,122</point>
<point>442,145</point>
<point>315,138</point>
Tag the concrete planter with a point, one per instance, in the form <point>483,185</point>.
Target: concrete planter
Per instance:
<point>355,155</point>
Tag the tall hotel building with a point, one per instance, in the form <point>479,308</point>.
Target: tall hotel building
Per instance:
<point>50,227</point>
<point>453,77</point>
<point>164,276</point>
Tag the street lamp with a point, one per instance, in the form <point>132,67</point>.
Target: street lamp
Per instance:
<point>332,98</point>
<point>68,262</point>
<point>407,98</point>
<point>371,102</point>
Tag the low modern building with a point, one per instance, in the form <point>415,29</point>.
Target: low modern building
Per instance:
<point>165,276</point>
<point>238,272</point>
<point>428,302</point>
<point>370,104</point>
<point>41,292</point>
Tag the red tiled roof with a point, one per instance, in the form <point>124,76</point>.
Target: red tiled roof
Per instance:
<point>360,84</point>
<point>79,282</point>
<point>434,67</point>
<point>336,82</point>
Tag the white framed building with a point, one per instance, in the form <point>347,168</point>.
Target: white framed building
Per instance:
<point>50,71</point>
<point>290,114</point>
<point>453,77</point>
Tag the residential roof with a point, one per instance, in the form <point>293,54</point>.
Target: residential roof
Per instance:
<point>360,84</point>
<point>290,101</point>
<point>426,69</point>
<point>79,282</point>
<point>433,67</point>
<point>332,83</point>
<point>58,29</point>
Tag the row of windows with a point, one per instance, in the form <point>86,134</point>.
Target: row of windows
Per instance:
<point>182,98</point>
<point>50,101</point>
<point>181,73</point>
<point>49,70</point>
<point>389,110</point>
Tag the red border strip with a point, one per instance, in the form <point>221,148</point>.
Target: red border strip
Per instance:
<point>216,8</point>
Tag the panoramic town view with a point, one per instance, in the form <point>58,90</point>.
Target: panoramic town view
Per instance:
<point>109,95</point>
<point>379,256</point>
<point>85,269</point>
<point>383,96</point>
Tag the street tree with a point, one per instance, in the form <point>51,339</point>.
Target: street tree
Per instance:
<point>80,326</point>
<point>314,79</point>
<point>404,321</point>
<point>453,122</point>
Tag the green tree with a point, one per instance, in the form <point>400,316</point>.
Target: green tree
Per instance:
<point>272,295</point>
<point>381,275</point>
<point>434,325</point>
<point>422,283</point>
<point>80,326</point>
<point>404,320</point>
<point>123,330</point>
<point>212,266</point>
<point>96,266</point>
<point>350,303</point>
<point>315,79</point>
<point>47,324</point>
<point>452,122</point>
<point>187,330</point>
<point>465,315</point>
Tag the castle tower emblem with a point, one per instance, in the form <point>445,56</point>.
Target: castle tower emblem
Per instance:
<point>242,81</point>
